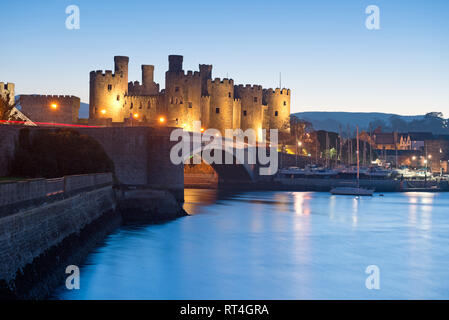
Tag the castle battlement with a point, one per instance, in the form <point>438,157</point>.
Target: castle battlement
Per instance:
<point>102,74</point>
<point>249,87</point>
<point>224,81</point>
<point>48,97</point>
<point>191,74</point>
<point>277,91</point>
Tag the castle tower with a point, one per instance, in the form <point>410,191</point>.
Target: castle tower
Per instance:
<point>121,67</point>
<point>278,113</point>
<point>149,86</point>
<point>221,104</point>
<point>108,91</point>
<point>182,94</point>
<point>205,74</point>
<point>251,106</point>
<point>175,63</point>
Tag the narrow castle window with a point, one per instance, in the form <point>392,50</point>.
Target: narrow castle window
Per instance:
<point>217,110</point>
<point>109,87</point>
<point>132,105</point>
<point>190,105</point>
<point>229,94</point>
<point>244,113</point>
<point>255,99</point>
<point>140,107</point>
<point>285,103</point>
<point>118,98</point>
<point>176,89</point>
<point>276,113</point>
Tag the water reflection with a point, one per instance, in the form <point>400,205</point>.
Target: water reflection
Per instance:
<point>277,245</point>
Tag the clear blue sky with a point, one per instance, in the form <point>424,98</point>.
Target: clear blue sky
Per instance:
<point>325,53</point>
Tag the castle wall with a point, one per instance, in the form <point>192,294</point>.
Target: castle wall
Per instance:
<point>205,111</point>
<point>278,113</point>
<point>58,109</point>
<point>7,88</point>
<point>221,104</point>
<point>236,114</point>
<point>143,108</point>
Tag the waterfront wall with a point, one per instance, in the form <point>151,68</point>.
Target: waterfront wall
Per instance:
<point>40,224</point>
<point>29,190</point>
<point>27,234</point>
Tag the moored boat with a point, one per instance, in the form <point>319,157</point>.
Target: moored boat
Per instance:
<point>352,191</point>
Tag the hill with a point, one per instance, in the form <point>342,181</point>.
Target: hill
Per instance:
<point>332,121</point>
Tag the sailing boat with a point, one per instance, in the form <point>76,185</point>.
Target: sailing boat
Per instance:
<point>354,191</point>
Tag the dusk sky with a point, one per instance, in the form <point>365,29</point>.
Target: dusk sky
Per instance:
<point>326,55</point>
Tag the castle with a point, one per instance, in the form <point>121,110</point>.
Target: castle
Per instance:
<point>187,97</point>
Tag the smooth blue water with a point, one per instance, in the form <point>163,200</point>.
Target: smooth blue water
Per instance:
<point>278,245</point>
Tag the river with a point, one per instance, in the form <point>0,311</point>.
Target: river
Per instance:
<point>278,245</point>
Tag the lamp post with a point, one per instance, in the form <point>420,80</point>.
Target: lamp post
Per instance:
<point>54,107</point>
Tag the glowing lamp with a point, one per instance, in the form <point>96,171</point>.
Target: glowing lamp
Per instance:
<point>54,106</point>
<point>136,115</point>
<point>202,129</point>
<point>161,119</point>
<point>103,111</point>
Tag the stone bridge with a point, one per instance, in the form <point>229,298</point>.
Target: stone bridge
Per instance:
<point>141,157</point>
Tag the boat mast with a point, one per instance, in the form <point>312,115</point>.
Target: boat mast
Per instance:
<point>358,158</point>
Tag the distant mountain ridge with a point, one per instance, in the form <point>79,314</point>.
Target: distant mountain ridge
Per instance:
<point>332,121</point>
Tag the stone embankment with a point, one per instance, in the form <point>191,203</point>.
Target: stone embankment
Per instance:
<point>47,225</point>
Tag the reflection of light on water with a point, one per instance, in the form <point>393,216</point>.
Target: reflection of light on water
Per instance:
<point>355,210</point>
<point>302,206</point>
<point>421,204</point>
<point>332,206</point>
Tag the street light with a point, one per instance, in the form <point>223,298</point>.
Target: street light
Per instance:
<point>54,106</point>
<point>161,119</point>
<point>103,112</point>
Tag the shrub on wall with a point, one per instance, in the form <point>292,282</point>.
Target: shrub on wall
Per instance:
<point>56,153</point>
